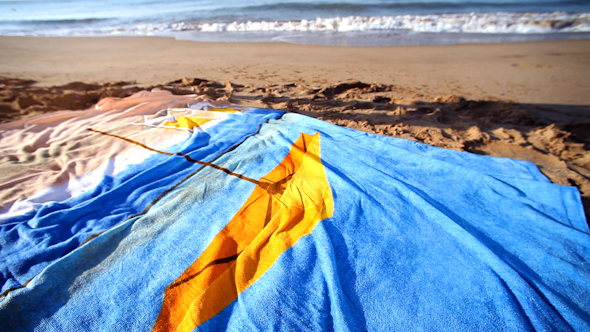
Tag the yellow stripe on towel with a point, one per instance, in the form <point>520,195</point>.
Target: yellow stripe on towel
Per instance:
<point>189,122</point>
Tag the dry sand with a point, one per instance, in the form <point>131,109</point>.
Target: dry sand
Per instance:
<point>528,101</point>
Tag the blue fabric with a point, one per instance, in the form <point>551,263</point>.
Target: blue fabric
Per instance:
<point>31,242</point>
<point>422,238</point>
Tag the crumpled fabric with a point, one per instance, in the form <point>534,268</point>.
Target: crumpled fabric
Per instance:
<point>400,236</point>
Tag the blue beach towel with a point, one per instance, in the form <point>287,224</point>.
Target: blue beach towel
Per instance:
<point>256,220</point>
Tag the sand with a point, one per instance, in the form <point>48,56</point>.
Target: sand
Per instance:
<point>528,101</point>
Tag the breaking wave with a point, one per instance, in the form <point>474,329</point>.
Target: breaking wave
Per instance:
<point>496,23</point>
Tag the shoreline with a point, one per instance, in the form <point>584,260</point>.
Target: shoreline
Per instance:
<point>362,39</point>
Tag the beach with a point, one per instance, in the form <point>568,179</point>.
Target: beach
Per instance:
<point>295,165</point>
<point>527,101</point>
<point>552,72</point>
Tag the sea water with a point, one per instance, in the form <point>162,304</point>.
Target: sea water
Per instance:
<point>351,23</point>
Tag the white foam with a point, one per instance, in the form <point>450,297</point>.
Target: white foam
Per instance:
<point>482,23</point>
<point>502,22</point>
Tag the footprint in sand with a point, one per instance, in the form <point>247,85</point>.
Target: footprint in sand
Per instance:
<point>532,65</point>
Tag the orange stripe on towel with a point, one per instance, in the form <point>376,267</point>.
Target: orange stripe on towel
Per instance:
<point>286,204</point>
